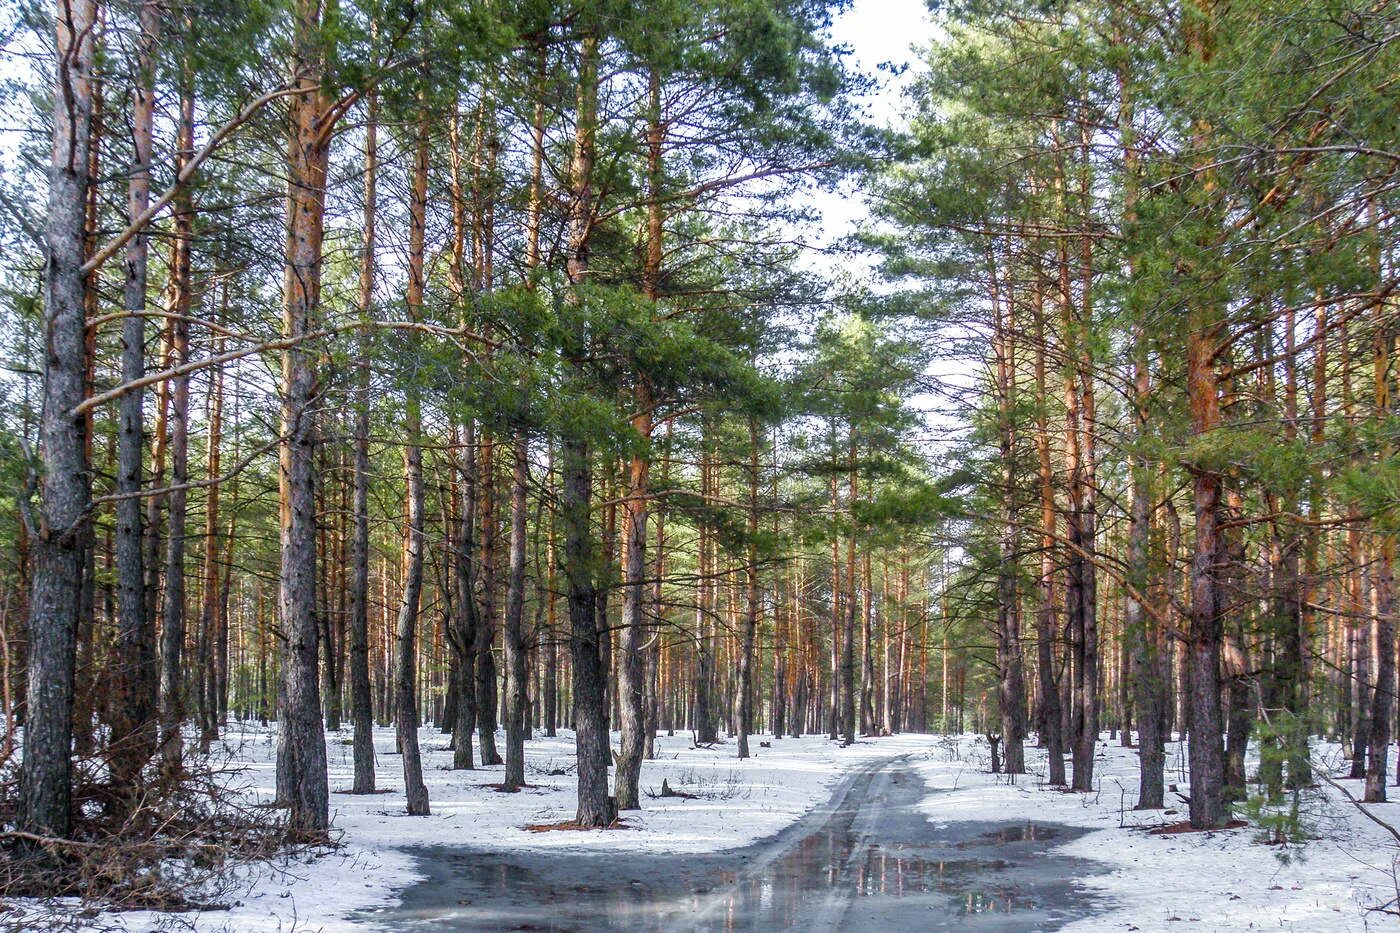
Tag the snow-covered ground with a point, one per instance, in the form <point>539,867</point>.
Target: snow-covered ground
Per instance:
<point>737,803</point>
<point>1218,881</point>
<point>1223,881</point>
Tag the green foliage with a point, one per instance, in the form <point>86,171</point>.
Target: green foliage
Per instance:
<point>1279,812</point>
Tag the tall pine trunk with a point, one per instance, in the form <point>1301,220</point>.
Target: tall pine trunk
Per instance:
<point>302,762</point>
<point>632,664</point>
<point>1051,714</point>
<point>172,640</point>
<point>743,712</point>
<point>848,629</point>
<point>1204,631</point>
<point>45,785</point>
<point>1011,689</point>
<point>133,738</point>
<point>207,702</point>
<point>361,699</point>
<point>1383,593</point>
<point>514,634</point>
<point>405,662</point>
<point>595,807</point>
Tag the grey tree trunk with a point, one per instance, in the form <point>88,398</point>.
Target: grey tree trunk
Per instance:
<point>1204,635</point>
<point>205,674</point>
<point>45,785</point>
<point>743,712</point>
<point>706,731</point>
<point>361,699</point>
<point>1011,683</point>
<point>631,663</point>
<point>465,619</point>
<point>173,631</point>
<point>133,739</point>
<point>1382,697</point>
<point>867,649</point>
<point>1240,685</point>
<point>462,634</point>
<point>1205,327</point>
<point>514,634</point>
<point>848,725</point>
<point>1383,592</point>
<point>632,666</point>
<point>551,635</point>
<point>595,807</point>
<point>1051,711</point>
<point>406,657</point>
<point>486,618</point>
<point>1150,669</point>
<point>405,695</point>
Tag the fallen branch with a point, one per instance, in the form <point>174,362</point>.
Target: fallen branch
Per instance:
<point>1365,811</point>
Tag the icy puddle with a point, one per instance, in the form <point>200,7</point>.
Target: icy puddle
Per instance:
<point>868,860</point>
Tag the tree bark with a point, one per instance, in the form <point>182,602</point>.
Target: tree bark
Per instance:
<point>1204,632</point>
<point>1011,685</point>
<point>45,773</point>
<point>465,619</point>
<point>632,663</point>
<point>405,669</point>
<point>743,713</point>
<point>1383,594</point>
<point>299,721</point>
<point>595,807</point>
<point>516,683</point>
<point>1051,714</point>
<point>361,699</point>
<point>486,619</point>
<point>706,731</point>
<point>848,632</point>
<point>1149,665</point>
<point>209,610</point>
<point>133,738</point>
<point>173,632</point>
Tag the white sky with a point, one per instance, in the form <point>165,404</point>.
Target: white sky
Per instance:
<point>895,32</point>
<point>877,31</point>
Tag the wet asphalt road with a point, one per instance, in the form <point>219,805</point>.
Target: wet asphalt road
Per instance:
<point>867,860</point>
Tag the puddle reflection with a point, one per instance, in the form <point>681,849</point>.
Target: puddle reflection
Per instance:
<point>875,862</point>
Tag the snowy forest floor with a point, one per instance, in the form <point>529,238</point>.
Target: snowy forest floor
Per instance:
<point>1226,880</point>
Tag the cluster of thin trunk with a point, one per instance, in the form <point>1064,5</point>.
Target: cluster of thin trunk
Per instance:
<point>1273,617</point>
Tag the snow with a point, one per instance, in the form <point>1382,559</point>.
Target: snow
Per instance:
<point>737,803</point>
<point>1220,881</point>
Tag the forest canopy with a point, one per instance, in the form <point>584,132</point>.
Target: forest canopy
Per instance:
<point>489,366</point>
